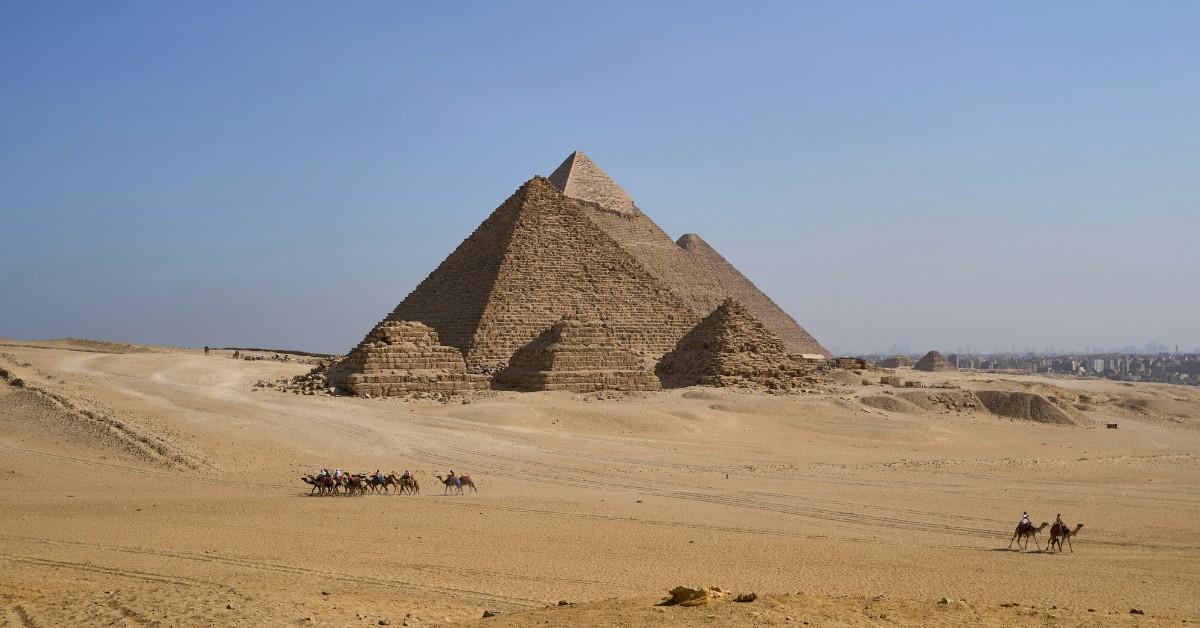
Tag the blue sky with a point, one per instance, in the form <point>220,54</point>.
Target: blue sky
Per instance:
<point>936,174</point>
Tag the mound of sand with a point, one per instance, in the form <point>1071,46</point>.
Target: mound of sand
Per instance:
<point>889,403</point>
<point>1024,406</point>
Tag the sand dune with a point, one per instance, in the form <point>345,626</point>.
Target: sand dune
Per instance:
<point>159,488</point>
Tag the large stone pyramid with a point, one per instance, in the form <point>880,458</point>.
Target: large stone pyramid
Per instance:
<point>611,209</point>
<point>730,347</point>
<point>577,355</point>
<point>572,244</point>
<point>934,362</point>
<point>536,258</point>
<point>738,287</point>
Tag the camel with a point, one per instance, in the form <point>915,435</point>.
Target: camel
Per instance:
<point>355,484</point>
<point>1028,532</point>
<point>402,484</point>
<point>316,486</point>
<point>463,480</point>
<point>324,486</point>
<point>384,483</point>
<point>1058,534</point>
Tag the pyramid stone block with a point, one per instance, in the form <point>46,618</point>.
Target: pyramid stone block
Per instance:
<point>579,356</point>
<point>730,347</point>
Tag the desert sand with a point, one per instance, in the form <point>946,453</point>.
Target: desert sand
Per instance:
<point>148,486</point>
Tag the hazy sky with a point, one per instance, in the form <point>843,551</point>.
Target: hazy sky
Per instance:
<point>284,173</point>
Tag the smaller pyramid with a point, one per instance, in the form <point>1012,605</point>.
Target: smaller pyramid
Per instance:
<point>580,178</point>
<point>738,286</point>
<point>399,358</point>
<point>576,355</point>
<point>731,347</point>
<point>934,362</point>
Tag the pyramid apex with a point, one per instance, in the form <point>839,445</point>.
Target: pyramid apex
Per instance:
<point>580,178</point>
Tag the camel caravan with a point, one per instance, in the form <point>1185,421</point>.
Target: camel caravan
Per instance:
<point>1058,533</point>
<point>342,483</point>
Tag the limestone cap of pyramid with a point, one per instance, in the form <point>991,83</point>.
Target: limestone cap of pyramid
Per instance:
<point>579,177</point>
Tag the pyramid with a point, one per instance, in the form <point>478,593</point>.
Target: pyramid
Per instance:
<point>577,355</point>
<point>934,362</point>
<point>534,259</point>
<point>730,347</point>
<point>611,209</point>
<point>737,286</point>
<point>580,178</point>
<point>399,358</point>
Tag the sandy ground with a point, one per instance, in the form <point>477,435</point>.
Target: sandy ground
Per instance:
<point>148,486</point>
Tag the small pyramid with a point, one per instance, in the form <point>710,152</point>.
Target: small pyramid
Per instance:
<point>400,358</point>
<point>934,362</point>
<point>739,287</point>
<point>730,347</point>
<point>576,355</point>
<point>580,178</point>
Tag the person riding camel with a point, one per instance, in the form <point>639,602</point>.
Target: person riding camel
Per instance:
<point>1059,526</point>
<point>337,474</point>
<point>377,478</point>
<point>406,475</point>
<point>1025,522</point>
<point>323,474</point>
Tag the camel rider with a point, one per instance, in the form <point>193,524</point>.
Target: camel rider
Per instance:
<point>377,478</point>
<point>323,474</point>
<point>337,474</point>
<point>1025,522</point>
<point>406,476</point>
<point>1059,526</point>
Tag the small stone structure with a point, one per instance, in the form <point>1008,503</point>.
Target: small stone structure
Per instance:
<point>934,362</point>
<point>403,357</point>
<point>895,362</point>
<point>732,348</point>
<point>576,355</point>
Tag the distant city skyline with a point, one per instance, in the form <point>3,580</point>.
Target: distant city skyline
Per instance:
<point>282,175</point>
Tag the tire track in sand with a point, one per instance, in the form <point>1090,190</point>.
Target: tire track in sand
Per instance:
<point>282,568</point>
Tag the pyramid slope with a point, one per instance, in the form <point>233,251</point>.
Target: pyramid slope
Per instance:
<point>730,347</point>
<point>739,287</point>
<point>577,355</point>
<point>637,234</point>
<point>934,362</point>
<point>536,258</point>
<point>580,178</point>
